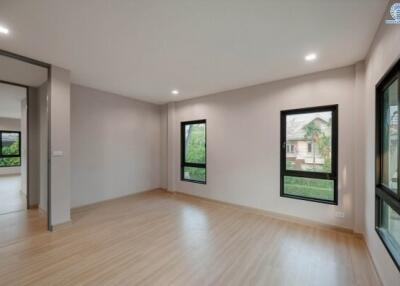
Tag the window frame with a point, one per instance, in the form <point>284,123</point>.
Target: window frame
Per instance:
<point>333,176</point>
<point>383,194</point>
<point>183,151</point>
<point>10,156</point>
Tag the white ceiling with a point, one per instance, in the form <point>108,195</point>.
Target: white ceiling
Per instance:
<point>145,48</point>
<point>16,71</point>
<point>10,100</point>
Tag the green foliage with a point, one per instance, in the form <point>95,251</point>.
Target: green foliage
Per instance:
<point>318,138</point>
<point>12,149</point>
<point>324,147</point>
<point>313,132</point>
<point>196,144</point>
<point>10,162</point>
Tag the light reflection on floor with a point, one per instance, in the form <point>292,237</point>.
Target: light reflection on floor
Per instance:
<point>196,234</point>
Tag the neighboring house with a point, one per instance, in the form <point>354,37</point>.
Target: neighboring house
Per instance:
<point>301,152</point>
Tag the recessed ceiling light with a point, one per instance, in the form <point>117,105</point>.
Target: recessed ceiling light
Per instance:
<point>310,57</point>
<point>175,92</point>
<point>4,30</point>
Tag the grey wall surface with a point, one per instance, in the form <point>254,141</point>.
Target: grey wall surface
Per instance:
<point>33,146</point>
<point>115,146</point>
<point>60,138</point>
<point>43,143</point>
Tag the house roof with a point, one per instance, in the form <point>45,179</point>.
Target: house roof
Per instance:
<point>295,125</point>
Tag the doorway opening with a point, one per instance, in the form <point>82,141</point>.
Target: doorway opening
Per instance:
<point>24,152</point>
<point>13,148</point>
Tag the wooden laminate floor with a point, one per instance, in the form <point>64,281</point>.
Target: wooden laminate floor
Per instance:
<point>157,238</point>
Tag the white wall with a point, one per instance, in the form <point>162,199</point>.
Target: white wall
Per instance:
<point>11,124</point>
<point>243,143</point>
<point>384,52</point>
<point>10,171</point>
<point>115,146</point>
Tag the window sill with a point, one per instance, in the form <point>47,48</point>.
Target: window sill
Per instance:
<point>309,199</point>
<point>194,181</point>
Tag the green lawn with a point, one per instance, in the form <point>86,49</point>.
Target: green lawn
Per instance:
<point>310,188</point>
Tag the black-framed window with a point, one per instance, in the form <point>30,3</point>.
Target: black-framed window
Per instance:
<point>387,193</point>
<point>10,148</point>
<point>194,151</point>
<point>310,171</point>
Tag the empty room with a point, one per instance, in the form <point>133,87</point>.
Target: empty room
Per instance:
<point>172,142</point>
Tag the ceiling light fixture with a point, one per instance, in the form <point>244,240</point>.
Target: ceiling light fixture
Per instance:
<point>310,57</point>
<point>175,92</point>
<point>4,30</point>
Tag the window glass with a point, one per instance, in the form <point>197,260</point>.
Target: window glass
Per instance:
<point>310,188</point>
<point>390,228</point>
<point>10,149</point>
<point>390,137</point>
<point>10,162</point>
<point>10,143</point>
<point>194,174</point>
<point>290,148</point>
<point>311,133</point>
<point>195,143</point>
<point>391,222</point>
